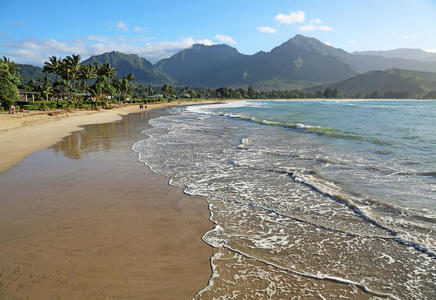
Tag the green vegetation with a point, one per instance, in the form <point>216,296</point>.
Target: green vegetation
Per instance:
<point>394,83</point>
<point>9,79</point>
<point>124,64</point>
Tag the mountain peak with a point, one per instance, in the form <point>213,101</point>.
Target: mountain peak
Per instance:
<point>310,44</point>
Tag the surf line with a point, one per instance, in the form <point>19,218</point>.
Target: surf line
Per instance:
<point>358,212</point>
<point>306,275</point>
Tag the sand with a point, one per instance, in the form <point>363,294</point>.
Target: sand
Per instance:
<point>24,133</point>
<point>84,219</point>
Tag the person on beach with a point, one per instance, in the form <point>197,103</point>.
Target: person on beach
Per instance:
<point>12,110</point>
<point>141,106</point>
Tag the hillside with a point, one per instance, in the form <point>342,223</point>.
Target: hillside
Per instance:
<point>202,65</point>
<point>405,53</point>
<point>130,63</point>
<point>29,72</point>
<point>395,81</point>
<point>299,59</point>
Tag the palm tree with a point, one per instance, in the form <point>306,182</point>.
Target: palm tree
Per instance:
<point>107,71</point>
<point>87,72</point>
<point>46,88</point>
<point>73,66</point>
<point>53,65</point>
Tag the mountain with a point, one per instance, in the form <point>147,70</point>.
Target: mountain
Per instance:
<point>298,63</point>
<point>365,63</point>
<point>29,72</point>
<point>202,65</point>
<point>299,59</point>
<point>405,53</point>
<point>130,63</point>
<point>395,81</point>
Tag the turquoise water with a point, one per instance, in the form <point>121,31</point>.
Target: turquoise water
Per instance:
<point>317,199</point>
<point>393,139</point>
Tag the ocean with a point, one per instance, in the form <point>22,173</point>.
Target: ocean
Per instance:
<point>310,199</point>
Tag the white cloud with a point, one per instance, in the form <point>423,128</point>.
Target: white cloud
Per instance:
<point>138,28</point>
<point>266,29</point>
<point>328,44</point>
<point>316,21</point>
<point>431,50</point>
<point>315,28</point>
<point>292,17</point>
<point>225,39</point>
<point>352,42</point>
<point>121,26</point>
<point>36,51</point>
<point>97,38</point>
<point>408,36</point>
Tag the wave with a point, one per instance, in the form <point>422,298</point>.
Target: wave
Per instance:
<point>313,129</point>
<point>229,104</point>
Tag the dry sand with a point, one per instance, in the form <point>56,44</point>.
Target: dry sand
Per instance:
<point>84,220</point>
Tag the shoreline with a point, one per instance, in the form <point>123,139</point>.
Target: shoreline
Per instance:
<point>23,134</point>
<point>83,219</point>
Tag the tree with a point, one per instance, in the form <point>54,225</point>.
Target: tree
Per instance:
<point>107,71</point>
<point>46,88</point>
<point>72,66</point>
<point>9,80</point>
<point>53,65</point>
<point>87,72</point>
<point>168,90</point>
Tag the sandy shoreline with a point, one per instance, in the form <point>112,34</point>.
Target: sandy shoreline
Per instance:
<point>23,134</point>
<point>83,219</point>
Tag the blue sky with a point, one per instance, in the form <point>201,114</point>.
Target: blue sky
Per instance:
<point>30,31</point>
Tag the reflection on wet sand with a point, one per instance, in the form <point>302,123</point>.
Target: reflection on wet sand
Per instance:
<point>85,220</point>
<point>100,137</point>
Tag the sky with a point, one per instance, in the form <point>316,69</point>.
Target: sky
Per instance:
<point>31,31</point>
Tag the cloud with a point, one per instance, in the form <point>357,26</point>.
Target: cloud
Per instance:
<point>409,36</point>
<point>292,17</point>
<point>352,42</point>
<point>138,28</point>
<point>225,39</point>
<point>97,38</point>
<point>36,51</point>
<point>328,44</point>
<point>121,26</point>
<point>431,50</point>
<point>266,29</point>
<point>316,21</point>
<point>315,28</point>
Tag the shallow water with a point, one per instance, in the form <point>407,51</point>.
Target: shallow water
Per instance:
<point>310,198</point>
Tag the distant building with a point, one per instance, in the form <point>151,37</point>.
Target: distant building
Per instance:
<point>23,95</point>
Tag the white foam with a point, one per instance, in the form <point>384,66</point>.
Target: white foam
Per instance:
<point>203,109</point>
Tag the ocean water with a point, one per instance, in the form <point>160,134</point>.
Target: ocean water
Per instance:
<point>310,199</point>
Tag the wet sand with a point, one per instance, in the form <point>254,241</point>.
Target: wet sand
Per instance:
<point>24,133</point>
<point>84,219</point>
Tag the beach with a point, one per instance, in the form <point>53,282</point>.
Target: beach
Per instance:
<point>238,199</point>
<point>81,218</point>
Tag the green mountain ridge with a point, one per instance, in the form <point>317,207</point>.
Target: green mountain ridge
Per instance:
<point>130,63</point>
<point>29,72</point>
<point>413,84</point>
<point>404,53</point>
